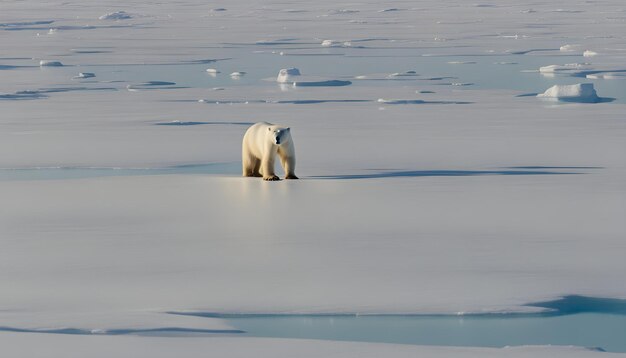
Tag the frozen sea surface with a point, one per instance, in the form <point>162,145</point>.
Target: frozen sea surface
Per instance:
<point>434,183</point>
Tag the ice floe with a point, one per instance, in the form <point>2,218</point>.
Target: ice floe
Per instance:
<point>580,92</point>
<point>589,53</point>
<point>570,67</point>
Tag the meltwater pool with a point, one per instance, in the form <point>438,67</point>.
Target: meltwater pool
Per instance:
<point>574,320</point>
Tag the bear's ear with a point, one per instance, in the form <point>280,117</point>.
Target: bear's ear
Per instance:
<point>287,129</point>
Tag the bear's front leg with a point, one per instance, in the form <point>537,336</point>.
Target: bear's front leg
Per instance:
<point>290,166</point>
<point>268,170</point>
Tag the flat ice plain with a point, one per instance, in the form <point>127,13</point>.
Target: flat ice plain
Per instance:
<point>436,182</point>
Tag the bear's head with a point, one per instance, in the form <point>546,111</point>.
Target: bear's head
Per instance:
<point>279,135</point>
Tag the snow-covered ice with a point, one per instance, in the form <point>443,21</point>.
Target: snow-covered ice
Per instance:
<point>117,15</point>
<point>580,92</point>
<point>557,68</point>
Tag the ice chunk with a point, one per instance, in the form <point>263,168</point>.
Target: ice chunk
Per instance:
<point>212,70</point>
<point>46,63</point>
<point>589,53</point>
<point>237,74</point>
<point>568,48</point>
<point>85,75</point>
<point>581,92</point>
<point>330,43</point>
<point>117,15</point>
<point>286,75</point>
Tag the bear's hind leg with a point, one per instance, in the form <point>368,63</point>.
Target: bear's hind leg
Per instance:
<point>256,171</point>
<point>251,166</point>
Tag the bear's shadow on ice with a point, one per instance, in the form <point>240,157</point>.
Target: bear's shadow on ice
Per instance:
<point>524,170</point>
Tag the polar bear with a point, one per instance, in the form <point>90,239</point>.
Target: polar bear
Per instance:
<point>261,143</point>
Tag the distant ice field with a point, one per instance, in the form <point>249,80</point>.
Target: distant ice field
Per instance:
<point>369,67</point>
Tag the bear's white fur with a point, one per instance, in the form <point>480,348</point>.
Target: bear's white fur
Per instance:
<point>261,143</point>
